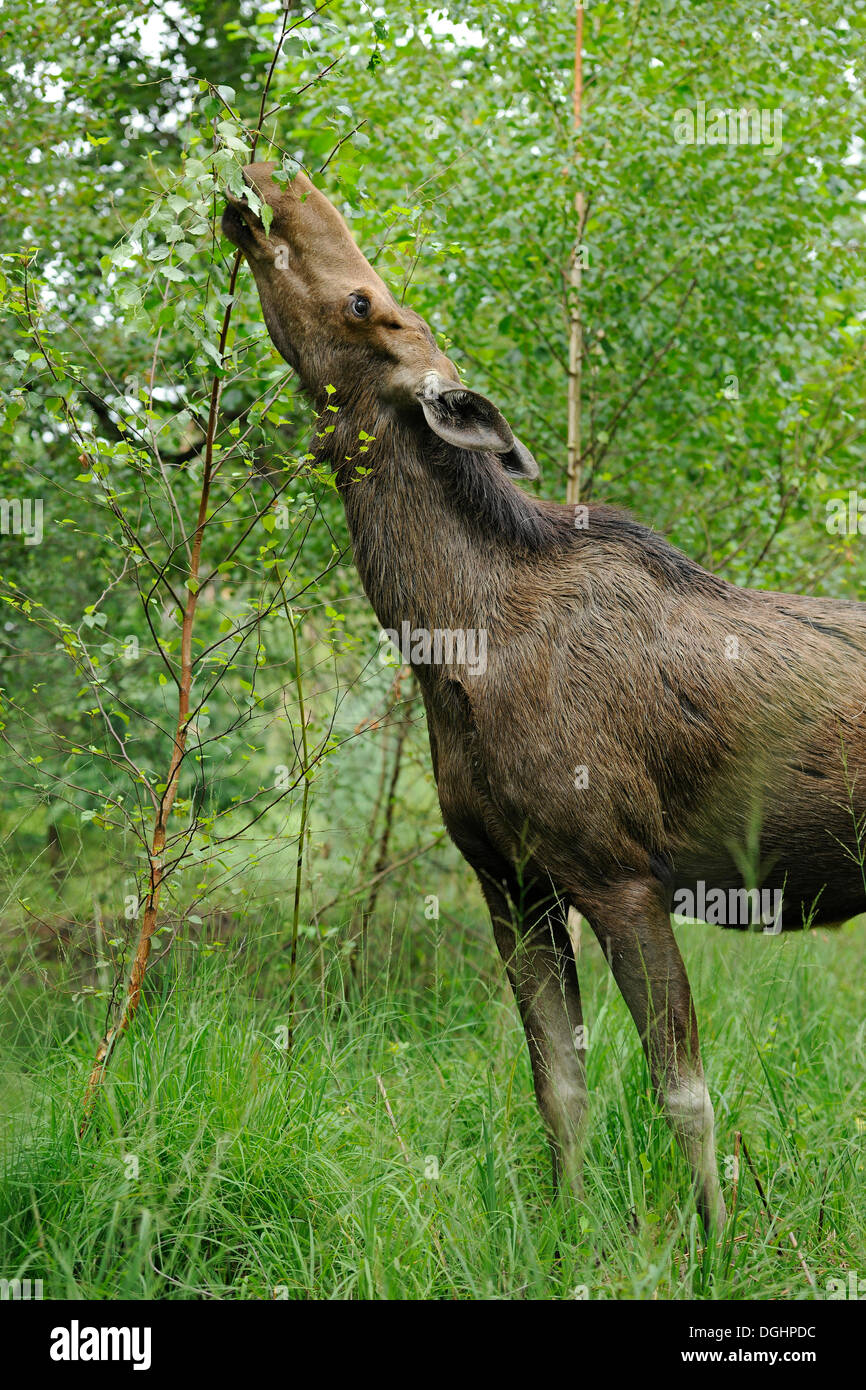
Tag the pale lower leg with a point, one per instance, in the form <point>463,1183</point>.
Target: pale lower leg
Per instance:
<point>635,933</point>
<point>690,1113</point>
<point>542,971</point>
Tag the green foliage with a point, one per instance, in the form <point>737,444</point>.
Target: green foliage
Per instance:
<point>720,302</point>
<point>721,310</point>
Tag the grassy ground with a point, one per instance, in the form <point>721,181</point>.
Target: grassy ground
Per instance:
<point>220,1167</point>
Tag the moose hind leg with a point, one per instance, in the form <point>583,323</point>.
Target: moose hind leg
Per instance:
<point>529,926</point>
<point>635,933</point>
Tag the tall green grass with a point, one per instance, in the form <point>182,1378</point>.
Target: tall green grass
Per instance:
<point>220,1167</point>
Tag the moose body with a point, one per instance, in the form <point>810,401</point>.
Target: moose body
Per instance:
<point>639,728</point>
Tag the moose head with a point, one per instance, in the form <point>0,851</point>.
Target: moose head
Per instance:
<point>338,325</point>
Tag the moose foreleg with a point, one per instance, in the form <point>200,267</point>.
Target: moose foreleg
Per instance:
<point>635,933</point>
<point>534,944</point>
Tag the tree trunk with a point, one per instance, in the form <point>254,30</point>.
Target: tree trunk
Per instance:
<point>575,351</point>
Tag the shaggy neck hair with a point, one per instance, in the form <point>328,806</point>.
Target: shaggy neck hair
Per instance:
<point>436,530</point>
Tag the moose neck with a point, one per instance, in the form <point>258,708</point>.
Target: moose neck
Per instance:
<point>436,531</point>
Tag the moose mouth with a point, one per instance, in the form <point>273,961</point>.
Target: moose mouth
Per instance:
<point>244,229</point>
<point>240,224</point>
<point>233,225</point>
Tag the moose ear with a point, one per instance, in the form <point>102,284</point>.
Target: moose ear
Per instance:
<point>470,421</point>
<point>519,462</point>
<point>462,417</point>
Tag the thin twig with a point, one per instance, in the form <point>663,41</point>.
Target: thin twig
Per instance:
<point>771,1218</point>
<point>403,1148</point>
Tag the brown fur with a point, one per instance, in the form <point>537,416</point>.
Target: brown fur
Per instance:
<point>607,650</point>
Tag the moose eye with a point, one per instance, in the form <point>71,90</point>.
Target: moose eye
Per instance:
<point>359,306</point>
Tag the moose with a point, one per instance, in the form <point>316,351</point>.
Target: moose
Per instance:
<point>639,728</point>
